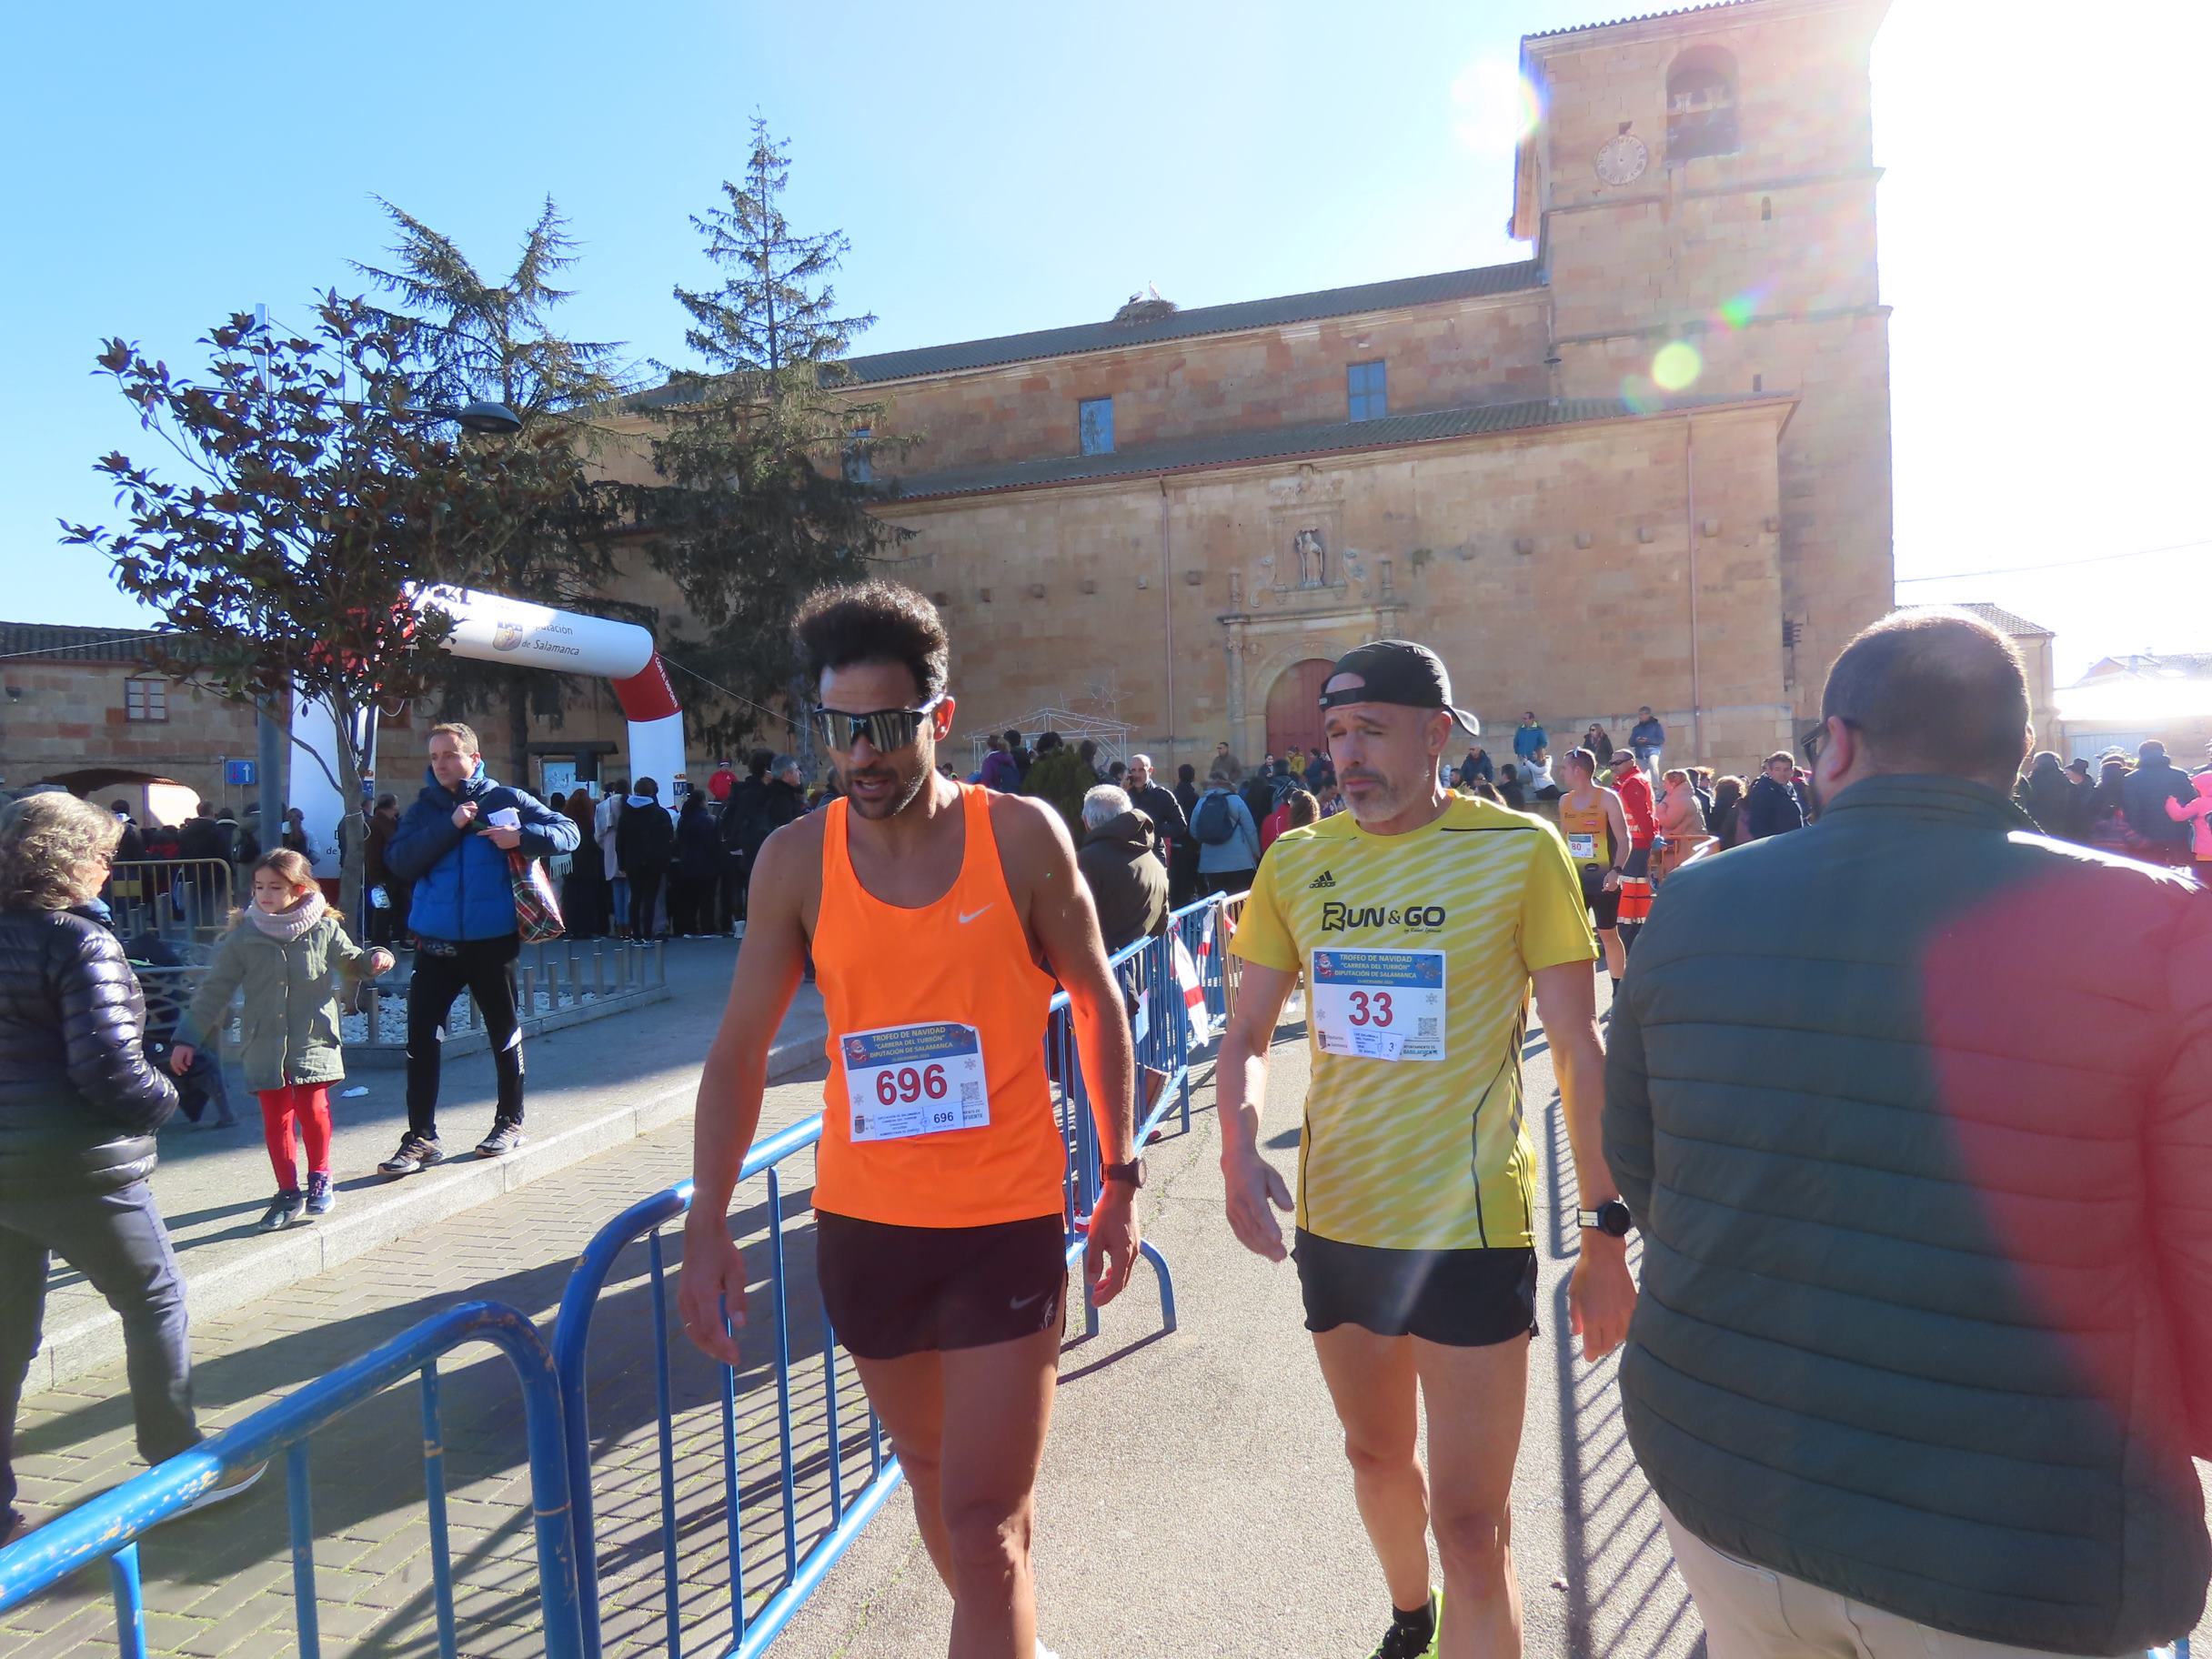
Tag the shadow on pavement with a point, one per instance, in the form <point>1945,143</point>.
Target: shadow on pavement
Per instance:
<point>1623,1596</point>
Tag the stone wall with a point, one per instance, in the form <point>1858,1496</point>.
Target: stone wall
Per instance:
<point>1096,596</point>
<point>69,717</point>
<point>1763,260</point>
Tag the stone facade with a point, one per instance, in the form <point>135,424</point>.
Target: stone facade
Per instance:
<point>1648,465</point>
<point>67,698</point>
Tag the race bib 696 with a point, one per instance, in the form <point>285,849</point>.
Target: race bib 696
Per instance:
<point>914,1079</point>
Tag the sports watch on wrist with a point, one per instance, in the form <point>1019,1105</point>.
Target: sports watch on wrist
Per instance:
<point>1610,1218</point>
<point>1130,1174</point>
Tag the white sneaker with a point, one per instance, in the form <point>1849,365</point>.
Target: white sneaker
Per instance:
<point>238,1480</point>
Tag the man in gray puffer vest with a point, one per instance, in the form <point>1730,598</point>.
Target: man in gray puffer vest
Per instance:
<point>1914,1111</point>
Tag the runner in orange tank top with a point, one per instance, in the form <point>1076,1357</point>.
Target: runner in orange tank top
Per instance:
<point>939,919</point>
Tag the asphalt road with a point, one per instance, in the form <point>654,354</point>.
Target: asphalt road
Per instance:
<point>1195,1498</point>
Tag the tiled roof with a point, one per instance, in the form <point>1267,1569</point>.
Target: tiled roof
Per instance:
<point>2146,665</point>
<point>1229,449</point>
<point>2003,620</point>
<point>1610,23</point>
<point>60,642</point>
<point>1081,337</point>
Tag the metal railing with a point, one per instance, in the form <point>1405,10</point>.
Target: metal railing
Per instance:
<point>110,1526</point>
<point>838,1511</point>
<point>1177,997</point>
<point>186,900</point>
<point>563,978</point>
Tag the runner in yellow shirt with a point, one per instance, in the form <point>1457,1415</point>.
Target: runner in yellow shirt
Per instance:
<point>1420,921</point>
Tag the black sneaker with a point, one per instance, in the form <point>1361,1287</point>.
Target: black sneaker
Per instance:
<point>1400,1642</point>
<point>321,1200</point>
<point>283,1210</point>
<point>416,1153</point>
<point>504,1137</point>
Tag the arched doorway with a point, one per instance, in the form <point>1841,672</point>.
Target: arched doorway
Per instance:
<point>1293,713</point>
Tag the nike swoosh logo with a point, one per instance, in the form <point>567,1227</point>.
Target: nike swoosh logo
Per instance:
<point>1017,1303</point>
<point>969,916</point>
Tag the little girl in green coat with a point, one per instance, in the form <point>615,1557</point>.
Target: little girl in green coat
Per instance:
<point>288,952</point>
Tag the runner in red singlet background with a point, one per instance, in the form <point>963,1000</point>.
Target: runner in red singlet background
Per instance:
<point>939,916</point>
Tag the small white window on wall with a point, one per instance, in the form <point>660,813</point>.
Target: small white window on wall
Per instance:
<point>1094,425</point>
<point>1701,104</point>
<point>860,466</point>
<point>145,699</point>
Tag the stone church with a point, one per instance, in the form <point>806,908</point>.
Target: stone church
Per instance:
<point>1647,465</point>
<point>1650,464</point>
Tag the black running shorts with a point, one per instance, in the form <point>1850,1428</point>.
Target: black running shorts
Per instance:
<point>894,1291</point>
<point>1605,907</point>
<point>1458,1298</point>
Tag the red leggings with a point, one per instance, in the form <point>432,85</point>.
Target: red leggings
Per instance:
<point>310,1103</point>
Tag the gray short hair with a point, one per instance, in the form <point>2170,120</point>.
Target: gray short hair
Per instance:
<point>1143,761</point>
<point>43,840</point>
<point>1102,804</point>
<point>782,764</point>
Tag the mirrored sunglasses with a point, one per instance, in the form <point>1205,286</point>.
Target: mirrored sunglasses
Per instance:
<point>886,730</point>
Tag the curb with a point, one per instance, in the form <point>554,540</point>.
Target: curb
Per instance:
<point>374,1219</point>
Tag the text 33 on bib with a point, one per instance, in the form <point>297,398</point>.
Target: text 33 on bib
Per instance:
<point>1380,1004</point>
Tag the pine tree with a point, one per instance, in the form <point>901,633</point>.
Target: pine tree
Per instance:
<point>471,336</point>
<point>767,449</point>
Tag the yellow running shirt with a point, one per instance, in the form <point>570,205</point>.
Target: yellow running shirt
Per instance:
<point>1417,951</point>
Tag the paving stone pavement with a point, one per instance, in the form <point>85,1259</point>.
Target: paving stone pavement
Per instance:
<point>1193,1499</point>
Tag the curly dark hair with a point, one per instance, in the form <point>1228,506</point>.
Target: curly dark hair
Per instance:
<point>873,621</point>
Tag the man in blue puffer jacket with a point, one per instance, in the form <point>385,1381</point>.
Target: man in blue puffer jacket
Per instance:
<point>453,845</point>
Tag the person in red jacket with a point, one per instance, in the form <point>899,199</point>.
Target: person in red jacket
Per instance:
<point>1637,806</point>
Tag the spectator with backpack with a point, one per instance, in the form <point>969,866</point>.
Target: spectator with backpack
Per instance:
<point>1222,825</point>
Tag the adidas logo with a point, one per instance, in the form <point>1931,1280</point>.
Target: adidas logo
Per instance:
<point>1322,880</point>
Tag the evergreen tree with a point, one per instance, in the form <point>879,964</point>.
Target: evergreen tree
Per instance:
<point>767,449</point>
<point>471,336</point>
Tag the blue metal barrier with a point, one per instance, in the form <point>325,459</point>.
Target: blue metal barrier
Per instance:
<point>1147,971</point>
<point>109,1527</point>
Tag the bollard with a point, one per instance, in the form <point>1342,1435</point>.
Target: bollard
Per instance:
<point>599,970</point>
<point>660,960</point>
<point>530,995</point>
<point>376,1015</point>
<point>552,971</point>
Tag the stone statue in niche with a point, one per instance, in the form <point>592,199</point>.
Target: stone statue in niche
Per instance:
<point>1313,559</point>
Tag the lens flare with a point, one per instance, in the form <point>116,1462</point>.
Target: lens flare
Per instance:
<point>1676,366</point>
<point>1639,394</point>
<point>1531,107</point>
<point>1737,311</point>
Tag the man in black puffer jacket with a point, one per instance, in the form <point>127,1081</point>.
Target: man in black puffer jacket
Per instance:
<point>78,1108</point>
<point>1914,1111</point>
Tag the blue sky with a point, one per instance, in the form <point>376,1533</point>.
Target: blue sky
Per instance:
<point>1001,167</point>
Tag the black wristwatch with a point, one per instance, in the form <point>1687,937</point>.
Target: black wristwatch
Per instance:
<point>1131,1173</point>
<point>1610,1218</point>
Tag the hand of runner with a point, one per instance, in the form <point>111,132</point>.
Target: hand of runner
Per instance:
<point>713,1277</point>
<point>1601,1295</point>
<point>1251,1184</point>
<point>1111,1252</point>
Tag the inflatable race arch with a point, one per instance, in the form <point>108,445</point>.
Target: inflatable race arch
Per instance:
<point>492,628</point>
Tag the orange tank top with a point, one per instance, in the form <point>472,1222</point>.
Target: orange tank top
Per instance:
<point>937,1113</point>
<point>1588,832</point>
